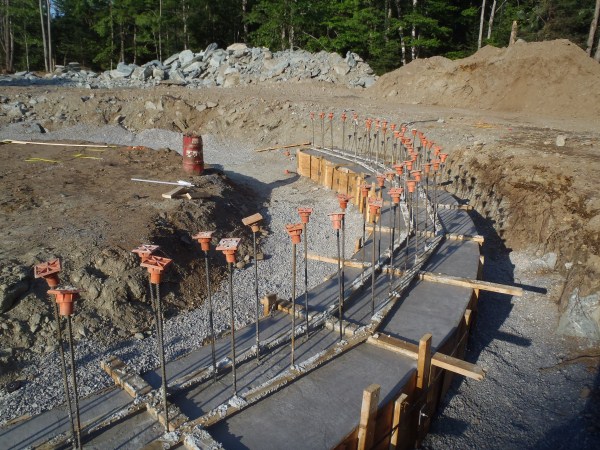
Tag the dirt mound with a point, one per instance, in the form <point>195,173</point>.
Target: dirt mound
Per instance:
<point>552,78</point>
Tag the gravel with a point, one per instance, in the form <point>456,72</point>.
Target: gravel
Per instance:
<point>185,332</point>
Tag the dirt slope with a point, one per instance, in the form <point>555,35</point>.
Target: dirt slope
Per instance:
<point>546,78</point>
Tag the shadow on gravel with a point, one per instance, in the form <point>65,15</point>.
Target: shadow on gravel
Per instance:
<point>36,82</point>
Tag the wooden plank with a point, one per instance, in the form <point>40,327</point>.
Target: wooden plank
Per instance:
<point>368,414</point>
<point>464,282</point>
<point>424,361</point>
<point>252,219</point>
<point>177,192</point>
<point>455,237</point>
<point>468,317</point>
<point>438,359</point>
<point>474,284</point>
<point>279,147</point>
<point>327,259</point>
<point>399,406</point>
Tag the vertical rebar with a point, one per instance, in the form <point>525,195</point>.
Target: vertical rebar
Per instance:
<point>393,220</point>
<point>416,222</point>
<point>379,240</point>
<point>293,302</point>
<point>306,279</point>
<point>64,371</point>
<point>343,287</point>
<point>257,299</point>
<point>322,130</point>
<point>331,130</point>
<point>373,219</point>
<point>364,233</point>
<point>340,292</point>
<point>74,382</point>
<point>210,317</point>
<point>230,267</point>
<point>343,134</point>
<point>161,353</point>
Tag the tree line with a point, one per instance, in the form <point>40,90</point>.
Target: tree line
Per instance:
<point>38,34</point>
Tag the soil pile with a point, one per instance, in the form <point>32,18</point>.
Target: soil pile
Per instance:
<point>552,78</point>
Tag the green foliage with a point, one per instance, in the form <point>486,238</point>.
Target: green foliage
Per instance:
<point>99,33</point>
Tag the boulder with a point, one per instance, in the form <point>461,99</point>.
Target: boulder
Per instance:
<point>185,56</point>
<point>237,47</point>
<point>169,60</point>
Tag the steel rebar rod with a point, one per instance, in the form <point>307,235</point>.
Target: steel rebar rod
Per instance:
<point>233,369</point>
<point>74,382</point>
<point>343,286</point>
<point>373,219</point>
<point>416,222</point>
<point>293,303</point>
<point>64,371</point>
<point>210,317</point>
<point>161,352</point>
<point>306,333</point>
<point>364,233</point>
<point>393,221</point>
<point>340,292</point>
<point>257,300</point>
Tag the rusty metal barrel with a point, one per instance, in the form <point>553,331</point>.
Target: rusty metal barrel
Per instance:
<point>193,154</point>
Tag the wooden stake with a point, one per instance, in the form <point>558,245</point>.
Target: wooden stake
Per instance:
<point>177,192</point>
<point>399,406</point>
<point>368,416</point>
<point>424,361</point>
<point>327,259</point>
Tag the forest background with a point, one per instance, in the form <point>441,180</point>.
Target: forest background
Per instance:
<point>38,34</point>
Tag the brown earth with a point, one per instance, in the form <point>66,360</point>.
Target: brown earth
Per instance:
<point>539,196</point>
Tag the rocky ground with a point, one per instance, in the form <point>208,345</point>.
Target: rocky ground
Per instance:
<point>529,175</point>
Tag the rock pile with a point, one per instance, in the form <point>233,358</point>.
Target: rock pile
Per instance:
<point>236,65</point>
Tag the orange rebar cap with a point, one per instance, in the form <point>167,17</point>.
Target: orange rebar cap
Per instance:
<point>145,250</point>
<point>336,220</point>
<point>395,193</point>
<point>416,174</point>
<point>399,168</point>
<point>253,222</point>
<point>229,246</point>
<point>443,157</point>
<point>204,238</point>
<point>295,232</point>
<point>304,214</point>
<point>156,265</point>
<point>65,299</point>
<point>48,271</point>
<point>375,205</point>
<point>381,180</point>
<point>411,185</point>
<point>343,200</point>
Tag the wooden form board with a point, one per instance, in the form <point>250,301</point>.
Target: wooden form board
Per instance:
<point>368,414</point>
<point>437,359</point>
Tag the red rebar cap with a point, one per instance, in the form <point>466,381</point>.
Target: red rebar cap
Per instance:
<point>344,117</point>
<point>416,174</point>
<point>408,164</point>
<point>295,232</point>
<point>253,221</point>
<point>65,299</point>
<point>399,168</point>
<point>330,116</point>
<point>395,193</point>
<point>336,220</point>
<point>393,127</point>
<point>436,150</point>
<point>145,250</point>
<point>343,200</point>
<point>436,165</point>
<point>413,131</point>
<point>321,115</point>
<point>375,204</point>
<point>48,271</point>
<point>364,190</point>
<point>229,246</point>
<point>368,123</point>
<point>427,168</point>
<point>443,157</point>
<point>411,185</point>
<point>380,180</point>
<point>304,214</point>
<point>204,238</point>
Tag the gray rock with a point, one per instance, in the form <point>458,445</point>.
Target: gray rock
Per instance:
<point>341,69</point>
<point>210,104</point>
<point>368,81</point>
<point>185,56</point>
<point>351,60</point>
<point>237,47</point>
<point>232,80</point>
<point>230,70</point>
<point>561,140</point>
<point>170,59</point>
<point>582,317</point>
<point>158,74</point>
<point>126,69</point>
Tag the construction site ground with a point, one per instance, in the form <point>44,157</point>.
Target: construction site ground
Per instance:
<point>535,202</point>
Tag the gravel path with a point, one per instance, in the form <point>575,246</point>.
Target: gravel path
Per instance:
<point>283,193</point>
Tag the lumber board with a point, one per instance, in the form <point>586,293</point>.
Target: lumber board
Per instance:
<point>424,361</point>
<point>455,237</point>
<point>347,262</point>
<point>281,147</point>
<point>438,359</point>
<point>368,414</point>
<point>399,406</point>
<point>464,282</point>
<point>174,193</point>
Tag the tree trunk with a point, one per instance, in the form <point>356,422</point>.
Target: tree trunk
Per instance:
<point>413,48</point>
<point>122,38</point>
<point>480,39</point>
<point>401,32</point>
<point>244,23</point>
<point>491,21</point>
<point>160,3</point>
<point>134,44</point>
<point>26,46</point>
<point>513,33</point>
<point>593,28</point>
<point>597,54</point>
<point>6,36</point>
<point>44,36</point>
<point>112,36</point>
<point>184,18</point>
<point>48,18</point>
